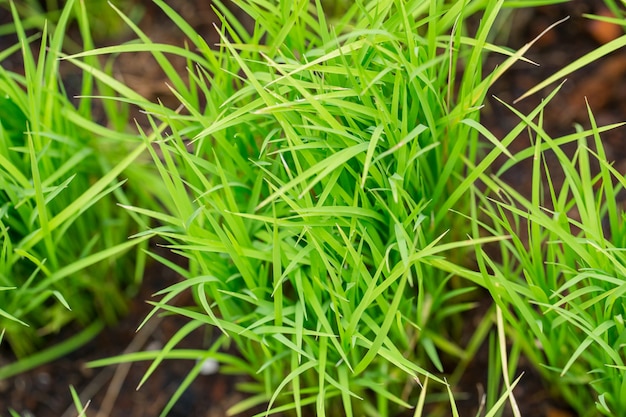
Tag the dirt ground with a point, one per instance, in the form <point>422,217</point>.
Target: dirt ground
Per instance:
<point>43,392</point>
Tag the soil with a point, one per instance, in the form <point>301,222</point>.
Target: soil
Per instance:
<point>112,391</point>
<point>43,392</point>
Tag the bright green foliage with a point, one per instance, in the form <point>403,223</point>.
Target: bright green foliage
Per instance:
<point>62,234</point>
<point>320,180</point>
<point>566,308</point>
<point>103,21</point>
<point>312,173</point>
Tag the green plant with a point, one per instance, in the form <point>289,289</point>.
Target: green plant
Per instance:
<point>63,238</point>
<point>312,172</point>
<point>317,177</point>
<point>559,279</point>
<point>103,22</point>
<point>566,309</point>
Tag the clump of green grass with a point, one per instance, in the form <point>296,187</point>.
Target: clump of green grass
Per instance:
<point>64,239</point>
<point>318,178</point>
<point>560,279</point>
<point>312,172</point>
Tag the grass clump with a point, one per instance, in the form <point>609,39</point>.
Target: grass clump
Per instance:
<point>559,280</point>
<point>565,309</point>
<point>311,172</point>
<point>318,179</point>
<point>63,237</point>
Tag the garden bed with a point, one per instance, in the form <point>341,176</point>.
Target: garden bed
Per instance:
<point>44,392</point>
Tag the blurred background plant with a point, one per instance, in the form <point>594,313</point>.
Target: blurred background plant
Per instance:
<point>103,21</point>
<point>65,253</point>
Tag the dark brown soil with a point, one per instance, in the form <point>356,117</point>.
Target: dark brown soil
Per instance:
<point>111,390</point>
<point>602,83</point>
<point>43,392</point>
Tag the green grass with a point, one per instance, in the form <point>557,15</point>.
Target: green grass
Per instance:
<point>64,240</point>
<point>566,309</point>
<point>559,278</point>
<point>103,21</point>
<point>320,180</point>
<point>312,177</point>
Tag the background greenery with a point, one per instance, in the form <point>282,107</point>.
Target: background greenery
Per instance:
<point>329,182</point>
<point>64,238</point>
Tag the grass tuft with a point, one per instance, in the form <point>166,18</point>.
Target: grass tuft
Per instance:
<point>560,277</point>
<point>64,240</point>
<point>312,174</point>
